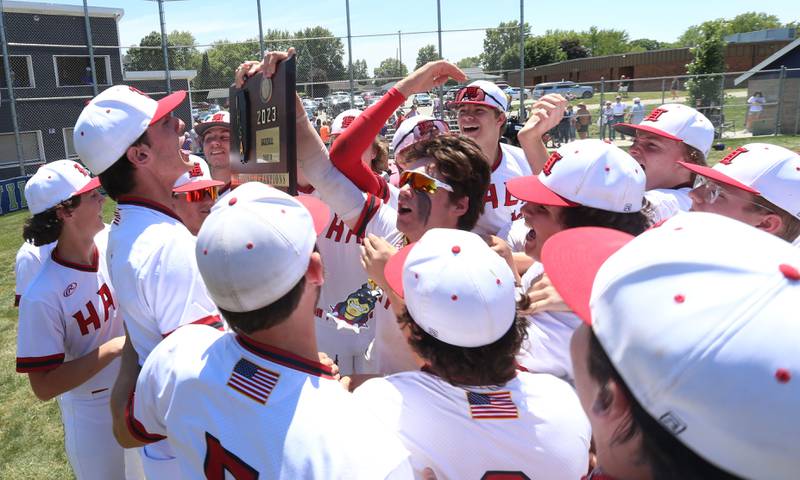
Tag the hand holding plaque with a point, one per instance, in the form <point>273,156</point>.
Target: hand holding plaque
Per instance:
<point>263,132</point>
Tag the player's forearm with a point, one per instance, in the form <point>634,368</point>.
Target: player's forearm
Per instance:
<point>69,375</point>
<point>535,152</point>
<point>349,146</point>
<point>124,386</point>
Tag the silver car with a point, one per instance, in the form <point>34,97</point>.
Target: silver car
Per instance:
<point>567,89</point>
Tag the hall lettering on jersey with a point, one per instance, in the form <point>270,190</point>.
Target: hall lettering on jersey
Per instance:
<point>93,318</point>
<point>491,197</point>
<point>336,231</point>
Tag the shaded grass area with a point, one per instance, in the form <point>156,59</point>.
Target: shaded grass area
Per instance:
<point>31,434</point>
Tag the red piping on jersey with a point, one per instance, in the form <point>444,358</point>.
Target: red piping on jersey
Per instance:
<point>346,150</point>
<point>499,158</point>
<point>77,266</point>
<point>282,357</point>
<point>17,298</point>
<point>213,321</point>
<point>371,206</point>
<point>144,202</point>
<point>135,426</point>
<point>308,189</point>
<point>39,364</point>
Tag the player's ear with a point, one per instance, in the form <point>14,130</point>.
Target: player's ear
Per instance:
<point>771,223</point>
<point>611,402</point>
<point>138,154</point>
<point>315,274</point>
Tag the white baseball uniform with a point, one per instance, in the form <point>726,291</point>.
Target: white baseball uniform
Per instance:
<point>500,207</point>
<point>68,311</point>
<point>666,203</point>
<point>151,260</point>
<point>531,427</point>
<point>27,264</point>
<point>546,350</point>
<point>230,404</point>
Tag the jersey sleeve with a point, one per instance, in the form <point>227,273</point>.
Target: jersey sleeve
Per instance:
<point>26,266</point>
<point>40,338</point>
<point>382,401</point>
<point>177,294</point>
<point>149,403</point>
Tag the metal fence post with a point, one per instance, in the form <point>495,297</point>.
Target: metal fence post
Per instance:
<point>602,102</point>
<point>722,106</point>
<point>260,30</point>
<point>522,112</point>
<point>91,46</point>
<point>441,56</point>
<point>164,46</point>
<point>779,110</point>
<point>663,91</point>
<point>10,84</point>
<point>349,51</point>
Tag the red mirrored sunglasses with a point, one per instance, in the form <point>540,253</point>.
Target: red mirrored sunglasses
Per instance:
<point>199,194</point>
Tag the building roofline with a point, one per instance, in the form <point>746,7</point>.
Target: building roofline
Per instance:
<point>60,9</point>
<point>761,66</point>
<point>158,75</point>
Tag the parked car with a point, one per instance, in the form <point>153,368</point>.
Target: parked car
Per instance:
<point>423,100</point>
<point>309,105</point>
<point>358,101</point>
<point>568,89</point>
<point>320,102</point>
<point>514,93</point>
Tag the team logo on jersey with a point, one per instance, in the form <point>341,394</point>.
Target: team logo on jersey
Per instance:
<point>548,166</point>
<point>356,310</point>
<point>653,116</point>
<point>729,157</point>
<point>70,289</point>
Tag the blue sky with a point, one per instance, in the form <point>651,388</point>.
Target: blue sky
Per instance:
<point>211,20</point>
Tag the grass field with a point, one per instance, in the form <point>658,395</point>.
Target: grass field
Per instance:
<point>31,436</point>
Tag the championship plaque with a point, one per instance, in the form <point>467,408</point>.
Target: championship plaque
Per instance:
<point>263,135</point>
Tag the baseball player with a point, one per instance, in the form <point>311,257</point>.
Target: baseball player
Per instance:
<point>685,363</point>
<point>132,143</point>
<point>253,404</point>
<point>757,184</point>
<point>70,334</point>
<point>194,193</point>
<point>215,135</point>
<point>498,422</point>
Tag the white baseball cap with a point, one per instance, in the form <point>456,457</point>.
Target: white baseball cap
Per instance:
<point>676,122</point>
<point>55,182</point>
<point>482,92</point>
<point>770,171</point>
<point>588,172</point>
<point>113,120</point>
<point>705,343</point>
<point>219,119</point>
<point>416,128</point>
<point>455,287</point>
<point>197,178</point>
<point>255,245</point>
<point>343,120</point>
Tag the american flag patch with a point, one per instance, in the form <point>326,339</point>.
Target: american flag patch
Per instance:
<point>491,405</point>
<point>249,379</point>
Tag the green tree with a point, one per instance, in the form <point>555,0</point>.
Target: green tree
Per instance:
<point>605,41</point>
<point>390,68</point>
<point>744,22</point>
<point>224,57</point>
<point>426,54</point>
<point>644,45</point>
<point>182,52</point>
<point>203,78</point>
<point>360,70</point>
<point>541,50</point>
<point>705,92</point>
<point>327,52</point>
<point>499,41</point>
<point>469,62</point>
<point>572,48</point>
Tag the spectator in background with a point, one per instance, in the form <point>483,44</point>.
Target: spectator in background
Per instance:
<point>582,121</point>
<point>756,103</point>
<point>565,125</point>
<point>571,113</point>
<point>674,88</point>
<point>325,132</point>
<point>413,112</point>
<point>637,112</point>
<point>605,119</point>
<point>398,118</point>
<point>618,116</point>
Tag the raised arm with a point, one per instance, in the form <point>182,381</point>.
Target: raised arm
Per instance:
<point>545,114</point>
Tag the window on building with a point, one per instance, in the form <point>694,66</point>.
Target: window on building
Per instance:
<point>69,147</point>
<point>32,148</point>
<point>74,70</point>
<point>21,71</point>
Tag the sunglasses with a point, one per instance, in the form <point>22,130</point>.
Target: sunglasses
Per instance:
<point>422,182</point>
<point>423,130</point>
<point>712,190</point>
<point>200,194</point>
<point>475,94</point>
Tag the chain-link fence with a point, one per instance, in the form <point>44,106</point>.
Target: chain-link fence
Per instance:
<point>57,60</point>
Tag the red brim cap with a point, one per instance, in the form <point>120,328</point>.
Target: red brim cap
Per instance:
<point>718,176</point>
<point>198,185</point>
<point>572,258</point>
<point>393,271</point>
<point>629,129</point>
<point>320,212</point>
<point>531,189</point>
<point>93,184</point>
<point>168,104</point>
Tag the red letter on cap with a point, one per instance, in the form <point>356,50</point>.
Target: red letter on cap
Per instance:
<point>548,166</point>
<point>653,117</point>
<point>729,157</point>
